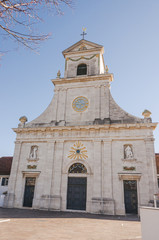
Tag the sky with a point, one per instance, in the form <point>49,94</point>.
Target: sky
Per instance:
<point>129,32</point>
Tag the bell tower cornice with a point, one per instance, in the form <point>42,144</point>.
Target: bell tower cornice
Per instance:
<point>105,77</point>
<point>83,46</point>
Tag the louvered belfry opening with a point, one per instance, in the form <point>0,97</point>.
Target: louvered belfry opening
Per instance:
<point>82,69</point>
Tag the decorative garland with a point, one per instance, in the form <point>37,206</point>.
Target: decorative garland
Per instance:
<point>31,167</point>
<point>75,60</point>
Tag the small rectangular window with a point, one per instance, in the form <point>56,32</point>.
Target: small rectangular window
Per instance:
<point>4,181</point>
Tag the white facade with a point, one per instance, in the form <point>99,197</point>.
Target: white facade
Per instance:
<point>83,124</point>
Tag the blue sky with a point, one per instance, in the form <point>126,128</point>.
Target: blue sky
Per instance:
<point>129,32</point>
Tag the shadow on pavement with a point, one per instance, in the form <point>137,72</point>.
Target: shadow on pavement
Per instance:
<point>32,213</point>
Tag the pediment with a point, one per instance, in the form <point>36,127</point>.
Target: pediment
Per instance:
<point>82,45</point>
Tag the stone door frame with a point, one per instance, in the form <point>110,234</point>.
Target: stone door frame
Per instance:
<point>130,176</point>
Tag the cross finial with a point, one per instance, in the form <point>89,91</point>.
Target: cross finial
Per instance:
<point>84,32</point>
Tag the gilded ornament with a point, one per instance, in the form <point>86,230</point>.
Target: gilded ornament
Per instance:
<point>78,152</point>
<point>106,69</point>
<point>58,74</point>
<point>31,167</point>
<point>129,168</point>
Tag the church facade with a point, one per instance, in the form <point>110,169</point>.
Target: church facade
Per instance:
<point>84,153</point>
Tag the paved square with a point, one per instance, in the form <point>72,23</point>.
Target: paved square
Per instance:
<point>24,224</point>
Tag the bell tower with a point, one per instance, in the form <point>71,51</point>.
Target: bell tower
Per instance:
<point>84,58</point>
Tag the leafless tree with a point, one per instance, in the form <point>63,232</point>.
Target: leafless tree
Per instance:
<point>18,16</point>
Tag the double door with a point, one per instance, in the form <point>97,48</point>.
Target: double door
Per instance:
<point>76,193</point>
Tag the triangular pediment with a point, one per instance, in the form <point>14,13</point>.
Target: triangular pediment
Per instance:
<point>82,45</point>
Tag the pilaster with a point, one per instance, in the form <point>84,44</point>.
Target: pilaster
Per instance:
<point>55,203</point>
<point>104,99</point>
<point>97,101</point>
<point>61,105</point>
<point>47,177</point>
<point>9,200</point>
<point>107,170</point>
<point>151,163</point>
<point>97,191</point>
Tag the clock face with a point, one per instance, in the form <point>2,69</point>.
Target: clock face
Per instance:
<point>80,104</point>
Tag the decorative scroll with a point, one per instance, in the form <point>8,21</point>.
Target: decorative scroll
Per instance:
<point>77,168</point>
<point>31,167</point>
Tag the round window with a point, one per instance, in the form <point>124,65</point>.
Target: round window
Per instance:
<point>80,104</point>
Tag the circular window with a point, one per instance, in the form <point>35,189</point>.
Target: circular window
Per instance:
<point>80,104</point>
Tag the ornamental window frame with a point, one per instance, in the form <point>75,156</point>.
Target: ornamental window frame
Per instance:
<point>73,168</point>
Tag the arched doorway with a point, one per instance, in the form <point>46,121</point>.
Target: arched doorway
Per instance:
<point>77,187</point>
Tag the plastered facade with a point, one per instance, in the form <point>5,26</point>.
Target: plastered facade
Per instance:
<point>103,129</point>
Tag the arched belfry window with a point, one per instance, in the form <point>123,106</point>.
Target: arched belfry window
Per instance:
<point>82,69</point>
<point>77,168</point>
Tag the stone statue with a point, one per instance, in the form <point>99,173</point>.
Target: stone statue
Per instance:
<point>33,152</point>
<point>128,152</point>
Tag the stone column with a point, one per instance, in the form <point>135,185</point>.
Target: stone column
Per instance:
<point>9,199</point>
<point>56,177</point>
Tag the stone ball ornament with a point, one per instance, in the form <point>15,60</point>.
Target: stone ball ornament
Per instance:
<point>146,113</point>
<point>22,120</point>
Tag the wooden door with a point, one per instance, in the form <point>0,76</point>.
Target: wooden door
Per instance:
<point>130,196</point>
<point>29,191</point>
<point>76,193</point>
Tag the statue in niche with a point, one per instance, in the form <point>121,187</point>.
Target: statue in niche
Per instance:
<point>33,152</point>
<point>128,153</point>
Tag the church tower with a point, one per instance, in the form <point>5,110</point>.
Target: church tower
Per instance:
<point>84,152</point>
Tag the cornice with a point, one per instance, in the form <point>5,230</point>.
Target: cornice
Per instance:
<point>82,41</point>
<point>151,126</point>
<point>107,76</point>
<point>91,50</point>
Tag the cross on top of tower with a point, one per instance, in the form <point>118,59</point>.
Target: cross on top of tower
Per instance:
<point>84,32</point>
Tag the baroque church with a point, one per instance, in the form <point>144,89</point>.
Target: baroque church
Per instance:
<point>84,153</point>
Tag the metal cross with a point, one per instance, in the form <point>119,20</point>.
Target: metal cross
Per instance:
<point>84,32</point>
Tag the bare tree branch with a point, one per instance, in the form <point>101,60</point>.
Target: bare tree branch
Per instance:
<point>22,14</point>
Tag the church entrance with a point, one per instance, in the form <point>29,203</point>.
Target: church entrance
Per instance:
<point>29,191</point>
<point>76,193</point>
<point>130,196</point>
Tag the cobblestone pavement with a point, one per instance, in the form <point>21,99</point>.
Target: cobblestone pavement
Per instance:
<point>24,224</point>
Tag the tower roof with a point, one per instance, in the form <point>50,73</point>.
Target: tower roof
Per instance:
<point>83,45</point>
